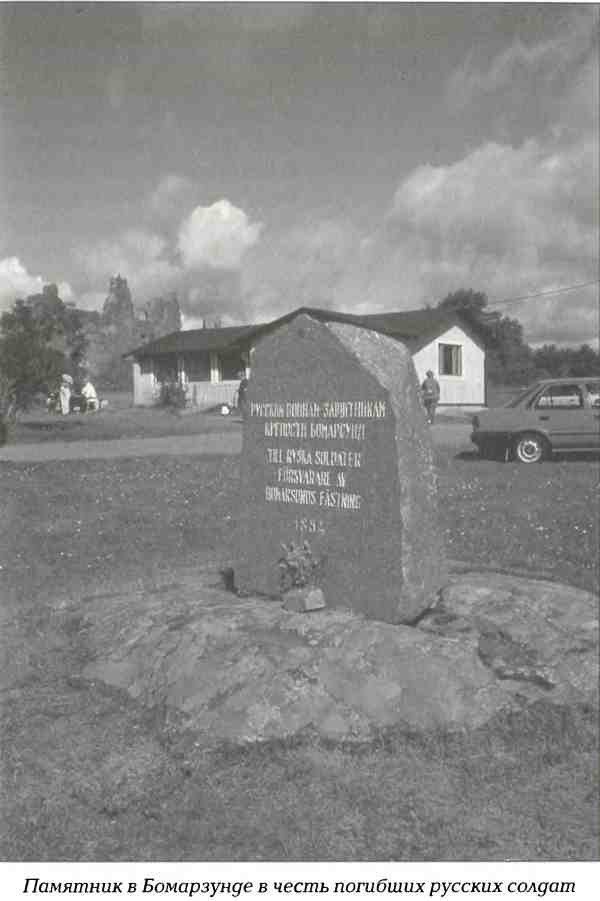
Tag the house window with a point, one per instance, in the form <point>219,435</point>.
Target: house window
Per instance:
<point>231,362</point>
<point>451,359</point>
<point>146,366</point>
<point>197,367</point>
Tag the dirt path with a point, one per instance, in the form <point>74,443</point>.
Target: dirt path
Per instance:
<point>454,435</point>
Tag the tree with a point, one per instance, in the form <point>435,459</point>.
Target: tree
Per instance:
<point>509,359</point>
<point>65,325</point>
<point>40,338</point>
<point>584,361</point>
<point>562,362</point>
<point>470,304</point>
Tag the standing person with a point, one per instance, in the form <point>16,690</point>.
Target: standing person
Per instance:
<point>65,394</point>
<point>431,395</point>
<point>242,392</point>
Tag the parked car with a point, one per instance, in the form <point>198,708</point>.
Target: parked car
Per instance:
<point>551,415</point>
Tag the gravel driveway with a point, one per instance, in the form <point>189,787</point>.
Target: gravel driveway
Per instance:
<point>454,435</point>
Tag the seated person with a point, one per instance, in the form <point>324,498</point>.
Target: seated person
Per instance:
<point>593,392</point>
<point>88,392</point>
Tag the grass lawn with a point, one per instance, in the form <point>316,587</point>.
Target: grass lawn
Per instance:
<point>108,425</point>
<point>119,420</point>
<point>122,420</point>
<point>89,774</point>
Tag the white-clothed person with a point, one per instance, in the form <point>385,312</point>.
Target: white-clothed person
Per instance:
<point>65,394</point>
<point>91,397</point>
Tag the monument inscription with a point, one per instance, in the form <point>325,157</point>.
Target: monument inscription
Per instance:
<point>322,474</point>
<point>320,462</point>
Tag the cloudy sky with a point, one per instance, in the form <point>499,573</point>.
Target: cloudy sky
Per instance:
<point>258,157</point>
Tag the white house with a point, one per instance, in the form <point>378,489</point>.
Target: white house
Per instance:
<point>208,362</point>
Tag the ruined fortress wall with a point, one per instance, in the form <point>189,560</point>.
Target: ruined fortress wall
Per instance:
<point>119,328</point>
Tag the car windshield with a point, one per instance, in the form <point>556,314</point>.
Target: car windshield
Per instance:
<point>522,395</point>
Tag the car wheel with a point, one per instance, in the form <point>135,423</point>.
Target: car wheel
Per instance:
<point>530,448</point>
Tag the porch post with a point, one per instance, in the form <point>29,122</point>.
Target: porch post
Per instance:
<point>215,375</point>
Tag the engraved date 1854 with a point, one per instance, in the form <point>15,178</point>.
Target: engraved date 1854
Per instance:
<point>309,526</point>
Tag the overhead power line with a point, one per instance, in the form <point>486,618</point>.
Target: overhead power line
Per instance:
<point>508,300</point>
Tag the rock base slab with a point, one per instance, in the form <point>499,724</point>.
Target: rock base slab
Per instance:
<point>246,670</point>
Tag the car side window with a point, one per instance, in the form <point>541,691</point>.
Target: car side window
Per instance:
<point>593,393</point>
<point>560,397</point>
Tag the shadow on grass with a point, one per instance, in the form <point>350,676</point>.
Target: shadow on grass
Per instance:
<point>55,425</point>
<point>468,455</point>
<point>574,456</point>
<point>442,795</point>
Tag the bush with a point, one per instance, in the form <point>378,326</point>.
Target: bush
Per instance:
<point>3,431</point>
<point>172,395</point>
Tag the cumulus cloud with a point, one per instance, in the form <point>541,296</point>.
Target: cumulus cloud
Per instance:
<point>513,216</point>
<point>518,204</point>
<point>315,263</point>
<point>171,193</point>
<point>506,220</point>
<point>199,256</point>
<point>516,215</point>
<point>140,256</point>
<point>91,300</point>
<point>216,236</point>
<point>16,282</point>
<point>552,59</point>
<point>571,318</point>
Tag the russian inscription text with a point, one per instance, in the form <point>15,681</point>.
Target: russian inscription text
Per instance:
<point>320,473</point>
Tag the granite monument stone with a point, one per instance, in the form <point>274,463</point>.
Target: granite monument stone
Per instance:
<point>337,461</point>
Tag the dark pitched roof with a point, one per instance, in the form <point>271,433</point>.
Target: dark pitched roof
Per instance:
<point>406,324</point>
<point>193,340</point>
<point>416,327</point>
